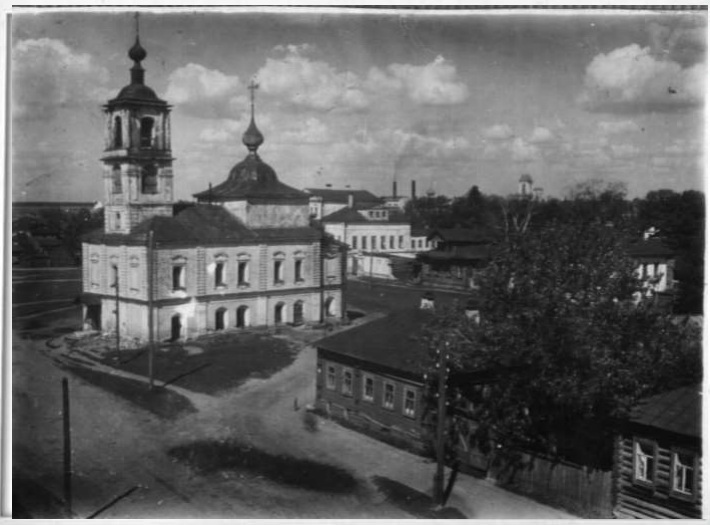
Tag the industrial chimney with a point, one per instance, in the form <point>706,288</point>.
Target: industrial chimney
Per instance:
<point>414,189</point>
<point>394,189</point>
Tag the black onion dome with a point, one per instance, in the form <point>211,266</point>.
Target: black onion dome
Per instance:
<point>137,53</point>
<point>252,137</point>
<point>137,92</point>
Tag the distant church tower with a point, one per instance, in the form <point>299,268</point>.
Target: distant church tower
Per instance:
<point>138,173</point>
<point>525,185</point>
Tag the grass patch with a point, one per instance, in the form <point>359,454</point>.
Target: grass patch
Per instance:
<point>225,361</point>
<point>214,456</point>
<point>161,402</point>
<point>414,502</point>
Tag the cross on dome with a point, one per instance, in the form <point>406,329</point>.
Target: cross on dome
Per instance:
<point>252,137</point>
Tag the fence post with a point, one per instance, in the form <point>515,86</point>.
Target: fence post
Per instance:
<point>67,446</point>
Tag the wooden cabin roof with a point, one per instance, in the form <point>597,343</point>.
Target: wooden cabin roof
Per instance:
<point>678,411</point>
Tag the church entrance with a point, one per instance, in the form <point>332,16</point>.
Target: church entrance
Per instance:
<point>279,313</point>
<point>175,327</point>
<point>242,317</point>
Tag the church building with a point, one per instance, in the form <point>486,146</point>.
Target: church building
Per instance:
<point>243,255</point>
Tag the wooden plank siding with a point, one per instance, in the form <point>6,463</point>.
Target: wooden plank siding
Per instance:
<point>635,499</point>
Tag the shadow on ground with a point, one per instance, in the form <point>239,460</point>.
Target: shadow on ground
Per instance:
<point>414,502</point>
<point>221,456</point>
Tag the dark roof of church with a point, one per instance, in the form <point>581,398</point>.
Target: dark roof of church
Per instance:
<point>252,179</point>
<point>342,196</point>
<point>678,411</point>
<point>202,225</point>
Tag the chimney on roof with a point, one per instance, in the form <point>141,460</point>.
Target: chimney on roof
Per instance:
<point>394,189</point>
<point>351,200</point>
<point>414,189</point>
<point>427,302</point>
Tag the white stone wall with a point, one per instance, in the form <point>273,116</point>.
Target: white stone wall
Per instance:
<point>390,231</point>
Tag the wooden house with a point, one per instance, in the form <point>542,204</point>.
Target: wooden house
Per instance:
<point>658,458</point>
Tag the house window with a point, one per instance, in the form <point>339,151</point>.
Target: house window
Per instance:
<point>391,242</point>
<point>644,461</point>
<point>373,242</point>
<point>179,275</point>
<point>388,398</point>
<point>368,391</point>
<point>279,268</point>
<point>414,244</point>
<point>242,270</point>
<point>364,242</point>
<point>149,179</point>
<point>146,132</point>
<point>383,242</point>
<point>298,268</point>
<point>347,382</point>
<point>219,270</point>
<point>94,273</point>
<point>400,242</point>
<point>410,402</point>
<point>354,242</point>
<point>134,274</point>
<point>116,179</point>
<point>117,222</point>
<point>330,377</point>
<point>683,466</point>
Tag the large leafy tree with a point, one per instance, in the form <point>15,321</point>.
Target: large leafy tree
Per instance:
<point>566,342</point>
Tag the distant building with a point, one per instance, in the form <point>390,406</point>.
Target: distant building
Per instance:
<point>656,262</point>
<point>525,186</point>
<point>459,256</point>
<point>325,201</point>
<point>36,208</point>
<point>658,458</point>
<point>244,255</point>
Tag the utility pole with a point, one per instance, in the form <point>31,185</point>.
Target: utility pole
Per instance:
<point>118,315</point>
<point>67,446</point>
<point>440,424</point>
<point>150,308</point>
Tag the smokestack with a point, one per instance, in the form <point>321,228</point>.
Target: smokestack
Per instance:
<point>414,189</point>
<point>351,200</point>
<point>394,189</point>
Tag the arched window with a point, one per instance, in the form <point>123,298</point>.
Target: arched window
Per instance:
<point>243,269</point>
<point>298,266</point>
<point>149,179</point>
<point>146,132</point>
<point>242,316</point>
<point>279,268</point>
<point>220,318</point>
<point>279,313</point>
<point>179,264</point>
<point>220,271</point>
<point>329,307</point>
<point>298,312</point>
<point>117,132</point>
<point>116,179</point>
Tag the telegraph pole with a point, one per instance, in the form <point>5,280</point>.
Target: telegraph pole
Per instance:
<point>67,446</point>
<point>151,336</point>
<point>118,315</point>
<point>440,424</point>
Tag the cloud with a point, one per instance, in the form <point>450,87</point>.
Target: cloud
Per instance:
<point>617,127</point>
<point>310,83</point>
<point>523,151</point>
<point>623,151</point>
<point>206,93</point>
<point>48,75</point>
<point>541,135</point>
<point>498,132</point>
<point>312,132</point>
<point>433,84</point>
<point>632,80</point>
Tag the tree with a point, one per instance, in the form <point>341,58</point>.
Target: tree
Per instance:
<point>566,341</point>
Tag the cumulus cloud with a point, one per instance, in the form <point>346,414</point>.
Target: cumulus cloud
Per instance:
<point>541,135</point>
<point>207,93</point>
<point>227,130</point>
<point>617,127</point>
<point>498,132</point>
<point>48,75</point>
<point>310,83</point>
<point>631,79</point>
<point>313,131</point>
<point>523,151</point>
<point>432,84</point>
<point>624,151</point>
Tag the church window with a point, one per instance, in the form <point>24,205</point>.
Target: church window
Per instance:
<point>243,270</point>
<point>391,242</point>
<point>219,274</point>
<point>149,179</point>
<point>242,316</point>
<point>373,242</point>
<point>179,273</point>
<point>117,133</point>
<point>134,274</point>
<point>279,268</point>
<point>401,242</point>
<point>364,242</point>
<point>117,222</point>
<point>146,132</point>
<point>383,242</point>
<point>116,179</point>
<point>354,242</point>
<point>298,267</point>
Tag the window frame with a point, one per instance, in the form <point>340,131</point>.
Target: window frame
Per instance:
<point>694,467</point>
<point>179,263</point>
<point>243,261</point>
<point>346,388</point>
<point>385,404</point>
<point>220,271</point>
<point>408,389</point>
<point>330,377</point>
<point>298,268</point>
<point>278,268</point>
<point>365,396</point>
<point>650,479</point>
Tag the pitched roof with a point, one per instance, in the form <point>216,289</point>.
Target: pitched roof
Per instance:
<point>678,411</point>
<point>202,224</point>
<point>478,234</point>
<point>653,247</point>
<point>476,252</point>
<point>392,341</point>
<point>341,196</point>
<point>353,216</point>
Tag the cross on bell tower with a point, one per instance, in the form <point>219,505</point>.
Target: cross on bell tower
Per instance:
<point>252,137</point>
<point>138,173</point>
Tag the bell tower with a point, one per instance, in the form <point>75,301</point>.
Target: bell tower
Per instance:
<point>137,160</point>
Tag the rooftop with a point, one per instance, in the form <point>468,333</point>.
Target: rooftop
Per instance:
<point>653,247</point>
<point>354,216</point>
<point>478,234</point>
<point>678,411</point>
<point>331,195</point>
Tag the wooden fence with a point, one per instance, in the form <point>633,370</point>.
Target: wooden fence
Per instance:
<point>582,491</point>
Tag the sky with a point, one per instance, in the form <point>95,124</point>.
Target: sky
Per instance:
<point>359,99</point>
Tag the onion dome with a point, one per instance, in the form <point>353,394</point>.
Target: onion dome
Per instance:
<point>137,53</point>
<point>252,137</point>
<point>137,91</point>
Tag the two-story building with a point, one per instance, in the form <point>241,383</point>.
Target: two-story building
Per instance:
<point>243,255</point>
